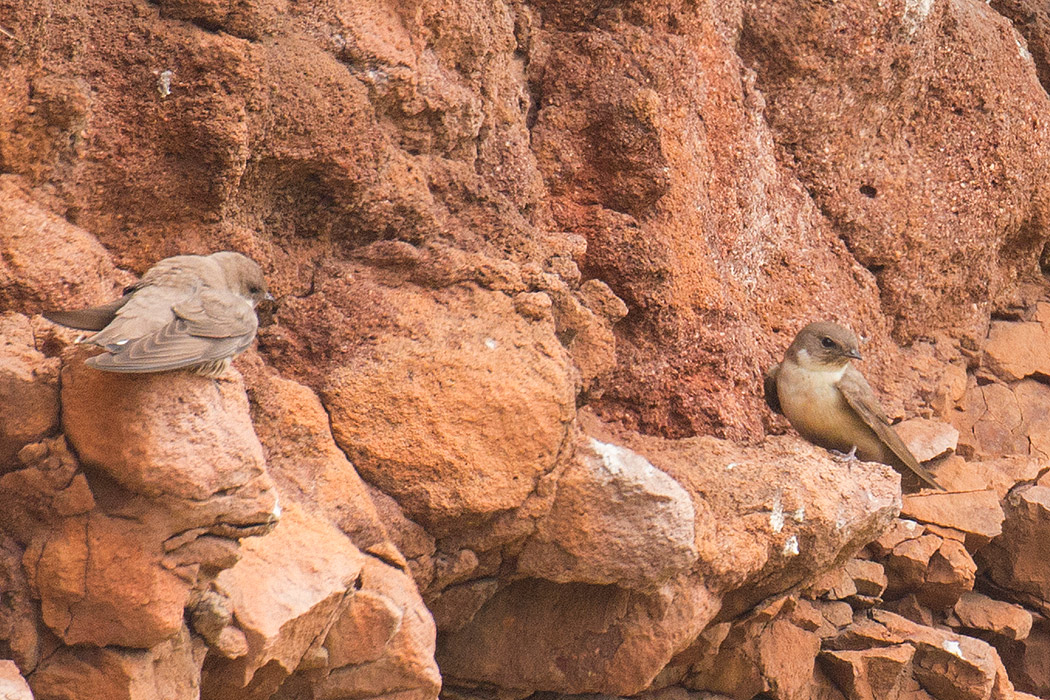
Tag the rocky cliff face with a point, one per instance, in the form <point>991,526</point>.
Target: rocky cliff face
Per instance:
<point>504,434</point>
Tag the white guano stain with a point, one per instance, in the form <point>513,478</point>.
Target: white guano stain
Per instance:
<point>776,518</point>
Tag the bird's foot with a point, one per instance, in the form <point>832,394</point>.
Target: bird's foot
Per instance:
<point>848,457</point>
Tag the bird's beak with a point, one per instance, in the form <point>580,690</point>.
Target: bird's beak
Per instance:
<point>855,354</point>
<point>268,297</point>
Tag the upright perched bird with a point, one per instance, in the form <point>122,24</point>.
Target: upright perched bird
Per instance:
<point>187,312</point>
<point>831,404</point>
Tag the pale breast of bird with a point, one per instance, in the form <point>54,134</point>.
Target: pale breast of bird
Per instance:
<point>815,406</point>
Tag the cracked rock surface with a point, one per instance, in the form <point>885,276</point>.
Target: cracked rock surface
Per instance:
<point>503,432</point>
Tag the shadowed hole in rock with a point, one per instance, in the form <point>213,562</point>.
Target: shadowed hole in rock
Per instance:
<point>868,191</point>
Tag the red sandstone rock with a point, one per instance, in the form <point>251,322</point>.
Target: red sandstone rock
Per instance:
<point>511,636</point>
<point>456,606</point>
<point>1016,350</point>
<point>283,616</point>
<point>927,438</point>
<point>976,513</point>
<point>687,145</point>
<point>836,584</point>
<point>935,569</point>
<point>616,519</point>
<point>870,674</point>
<point>979,612</point>
<point>101,581</point>
<point>19,625</point>
<point>869,577</point>
<point>48,262</point>
<point>28,388</point>
<point>49,487</point>
<point>1019,559</point>
<point>999,475</point>
<point>898,531</point>
<point>756,657</point>
<point>1001,420</point>
<point>949,665</point>
<point>501,390</point>
<point>1029,662</point>
<point>304,461</point>
<point>383,644</point>
<point>12,685</point>
<point>170,670</point>
<point>632,635</point>
<point>908,563</point>
<point>880,190</point>
<point>171,434</point>
<point>950,575</point>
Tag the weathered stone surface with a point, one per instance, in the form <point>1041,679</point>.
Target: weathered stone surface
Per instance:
<point>760,656</point>
<point>28,388</point>
<point>18,616</point>
<point>616,519</point>
<point>456,606</point>
<point>831,108</point>
<point>1003,420</point>
<point>1016,349</point>
<point>978,612</point>
<point>936,570</point>
<point>1029,662</point>
<point>735,490</point>
<point>49,487</point>
<point>948,665</point>
<point>101,581</point>
<point>951,574</point>
<point>999,475</point>
<point>927,438</point>
<point>12,685</point>
<point>836,584</point>
<point>501,390</point>
<point>631,636</point>
<point>1019,559</point>
<point>807,521</point>
<point>383,643</point>
<point>170,670</point>
<point>869,577</point>
<point>304,461</point>
<point>899,530</point>
<point>171,434</point>
<point>977,513</point>
<point>48,262</point>
<point>418,182</point>
<point>880,673</point>
<point>282,615</point>
<point>908,562</point>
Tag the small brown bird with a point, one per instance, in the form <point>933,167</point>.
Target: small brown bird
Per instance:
<point>831,404</point>
<point>187,312</point>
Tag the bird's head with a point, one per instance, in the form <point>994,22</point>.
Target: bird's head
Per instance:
<point>825,346</point>
<point>243,276</point>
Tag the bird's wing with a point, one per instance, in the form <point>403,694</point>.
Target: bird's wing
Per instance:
<point>147,310</point>
<point>94,318</point>
<point>209,326</point>
<point>861,398</point>
<point>770,384</point>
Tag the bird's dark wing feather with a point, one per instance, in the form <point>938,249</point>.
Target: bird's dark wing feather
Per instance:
<point>94,318</point>
<point>860,397</point>
<point>770,385</point>
<point>207,327</point>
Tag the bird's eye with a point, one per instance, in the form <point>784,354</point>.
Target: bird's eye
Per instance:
<point>253,289</point>
<point>827,342</point>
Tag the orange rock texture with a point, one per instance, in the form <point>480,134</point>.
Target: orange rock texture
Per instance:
<point>502,432</point>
